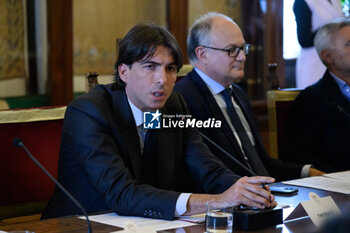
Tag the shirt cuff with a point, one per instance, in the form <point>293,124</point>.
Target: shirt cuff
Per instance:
<point>181,204</point>
<point>305,171</point>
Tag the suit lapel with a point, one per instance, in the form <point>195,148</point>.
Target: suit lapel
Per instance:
<point>334,94</point>
<point>338,104</point>
<point>126,125</point>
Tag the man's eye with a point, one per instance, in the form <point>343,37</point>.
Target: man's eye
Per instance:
<point>236,49</point>
<point>233,49</point>
<point>150,66</point>
<point>172,68</point>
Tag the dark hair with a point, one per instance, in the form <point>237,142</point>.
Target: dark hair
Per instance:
<point>141,42</point>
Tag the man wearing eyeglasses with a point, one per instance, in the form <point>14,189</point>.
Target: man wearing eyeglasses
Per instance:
<point>217,50</point>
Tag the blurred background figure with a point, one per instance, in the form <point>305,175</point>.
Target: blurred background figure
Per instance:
<point>309,16</point>
<point>318,126</point>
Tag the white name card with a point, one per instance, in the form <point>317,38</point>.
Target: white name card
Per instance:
<point>318,209</point>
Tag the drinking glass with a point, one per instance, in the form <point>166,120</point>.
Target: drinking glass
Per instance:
<point>219,217</point>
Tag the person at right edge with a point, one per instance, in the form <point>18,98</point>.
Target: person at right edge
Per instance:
<point>318,125</point>
<point>311,15</point>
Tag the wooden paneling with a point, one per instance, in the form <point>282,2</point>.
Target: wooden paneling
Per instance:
<point>263,28</point>
<point>177,18</point>
<point>273,38</point>
<point>59,13</point>
<point>253,30</point>
<point>32,84</point>
<point>97,25</point>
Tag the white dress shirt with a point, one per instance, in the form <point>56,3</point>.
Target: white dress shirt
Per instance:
<point>216,89</point>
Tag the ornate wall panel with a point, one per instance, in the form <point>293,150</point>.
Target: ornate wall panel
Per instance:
<point>12,51</point>
<point>97,25</point>
<point>230,8</point>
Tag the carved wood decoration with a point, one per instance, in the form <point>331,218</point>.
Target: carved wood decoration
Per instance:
<point>91,81</point>
<point>12,50</point>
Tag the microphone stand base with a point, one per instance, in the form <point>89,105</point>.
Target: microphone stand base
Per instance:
<point>254,219</point>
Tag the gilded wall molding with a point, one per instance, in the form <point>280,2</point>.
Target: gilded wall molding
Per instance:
<point>32,115</point>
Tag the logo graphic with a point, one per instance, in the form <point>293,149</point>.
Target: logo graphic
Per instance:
<point>151,120</point>
<point>157,120</point>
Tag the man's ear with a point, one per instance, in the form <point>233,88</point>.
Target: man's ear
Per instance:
<point>124,71</point>
<point>326,56</point>
<point>201,54</point>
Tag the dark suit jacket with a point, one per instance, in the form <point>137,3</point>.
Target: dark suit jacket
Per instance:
<point>100,162</point>
<point>318,129</point>
<point>202,105</point>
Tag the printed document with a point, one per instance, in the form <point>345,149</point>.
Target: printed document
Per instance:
<point>117,220</point>
<point>336,182</point>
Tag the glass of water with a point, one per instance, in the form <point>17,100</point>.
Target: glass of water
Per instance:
<point>219,217</point>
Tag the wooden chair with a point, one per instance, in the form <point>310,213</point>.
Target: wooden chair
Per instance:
<point>25,189</point>
<point>3,104</point>
<point>91,81</point>
<point>278,103</point>
<point>186,68</point>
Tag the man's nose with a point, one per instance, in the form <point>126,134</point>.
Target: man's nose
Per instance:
<point>162,76</point>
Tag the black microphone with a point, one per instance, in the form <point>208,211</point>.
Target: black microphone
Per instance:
<point>246,218</point>
<point>18,143</point>
<point>226,153</point>
<point>250,171</point>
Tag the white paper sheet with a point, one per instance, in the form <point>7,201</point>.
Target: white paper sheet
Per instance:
<point>339,175</point>
<point>198,218</point>
<point>333,184</point>
<point>159,225</point>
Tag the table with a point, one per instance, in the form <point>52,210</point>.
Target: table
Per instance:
<point>72,224</point>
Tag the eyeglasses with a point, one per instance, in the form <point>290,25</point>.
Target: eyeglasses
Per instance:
<point>233,51</point>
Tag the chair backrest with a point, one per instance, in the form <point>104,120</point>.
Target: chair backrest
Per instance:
<point>278,103</point>
<point>3,104</point>
<point>25,189</point>
<point>184,71</point>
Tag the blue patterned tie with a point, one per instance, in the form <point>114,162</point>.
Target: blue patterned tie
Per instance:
<point>254,161</point>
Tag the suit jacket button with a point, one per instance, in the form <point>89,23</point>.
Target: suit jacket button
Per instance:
<point>149,212</point>
<point>145,213</point>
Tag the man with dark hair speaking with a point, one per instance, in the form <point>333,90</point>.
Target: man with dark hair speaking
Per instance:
<point>109,162</point>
